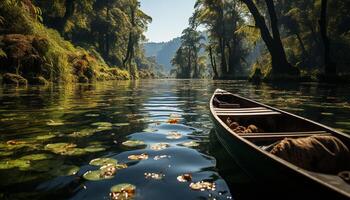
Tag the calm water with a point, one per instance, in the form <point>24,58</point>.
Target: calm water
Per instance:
<point>48,136</point>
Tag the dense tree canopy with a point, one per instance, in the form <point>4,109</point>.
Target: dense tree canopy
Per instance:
<point>274,39</point>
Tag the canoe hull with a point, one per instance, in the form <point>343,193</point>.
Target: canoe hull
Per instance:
<point>269,173</point>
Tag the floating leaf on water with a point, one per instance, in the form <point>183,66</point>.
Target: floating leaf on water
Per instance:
<point>93,149</point>
<point>161,157</point>
<point>45,165</point>
<point>156,176</point>
<point>123,191</point>
<point>133,143</point>
<point>138,157</point>
<point>6,153</point>
<point>45,137</point>
<point>184,178</point>
<point>159,146</point>
<point>121,124</point>
<point>15,142</point>
<point>174,136</point>
<point>73,152</point>
<point>35,157</point>
<point>103,161</point>
<point>121,166</point>
<point>203,185</point>
<point>10,164</point>
<point>105,172</point>
<point>60,146</point>
<point>173,121</point>
<point>82,133</point>
<point>102,124</point>
<point>65,149</point>
<point>150,130</point>
<point>65,170</point>
<point>53,123</point>
<point>190,144</point>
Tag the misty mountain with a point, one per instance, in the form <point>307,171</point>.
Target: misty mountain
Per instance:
<point>163,52</point>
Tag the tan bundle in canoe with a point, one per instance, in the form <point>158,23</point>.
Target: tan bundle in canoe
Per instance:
<point>325,154</point>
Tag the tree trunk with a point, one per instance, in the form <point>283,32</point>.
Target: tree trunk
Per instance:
<point>280,65</point>
<point>188,71</point>
<point>223,56</point>
<point>213,63</point>
<point>330,68</point>
<point>70,9</point>
<point>196,70</point>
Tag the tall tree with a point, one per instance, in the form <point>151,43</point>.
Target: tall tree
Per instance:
<point>280,64</point>
<point>330,68</point>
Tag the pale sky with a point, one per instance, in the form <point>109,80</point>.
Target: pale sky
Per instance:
<point>170,18</point>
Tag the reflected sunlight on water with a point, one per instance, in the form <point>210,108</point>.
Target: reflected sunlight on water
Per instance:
<point>155,130</point>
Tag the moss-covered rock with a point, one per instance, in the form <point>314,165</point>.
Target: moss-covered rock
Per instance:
<point>13,79</point>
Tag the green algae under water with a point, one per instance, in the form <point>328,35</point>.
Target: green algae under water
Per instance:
<point>49,137</point>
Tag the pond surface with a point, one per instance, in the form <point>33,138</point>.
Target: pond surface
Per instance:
<point>156,131</point>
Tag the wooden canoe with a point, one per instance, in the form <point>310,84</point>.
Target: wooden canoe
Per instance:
<point>271,171</point>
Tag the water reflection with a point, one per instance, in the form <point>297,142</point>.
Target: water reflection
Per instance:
<point>49,135</point>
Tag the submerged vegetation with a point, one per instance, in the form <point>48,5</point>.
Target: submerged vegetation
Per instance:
<point>72,41</point>
<point>267,40</point>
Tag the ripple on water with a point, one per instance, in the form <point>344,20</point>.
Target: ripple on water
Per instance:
<point>53,138</point>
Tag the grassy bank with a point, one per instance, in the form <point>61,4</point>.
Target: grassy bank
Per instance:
<point>31,53</point>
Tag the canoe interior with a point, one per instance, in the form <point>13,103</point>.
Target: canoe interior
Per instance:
<point>274,123</point>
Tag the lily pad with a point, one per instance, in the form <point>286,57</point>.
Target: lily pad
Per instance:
<point>190,144</point>
<point>159,146</point>
<point>35,157</point>
<point>155,176</point>
<point>45,165</point>
<point>121,124</point>
<point>65,170</point>
<point>138,157</point>
<point>60,146</point>
<point>184,178</point>
<point>123,191</point>
<point>63,148</point>
<point>54,123</point>
<point>94,149</point>
<point>82,133</point>
<point>174,136</point>
<point>102,124</point>
<point>6,153</point>
<point>202,186</point>
<point>73,152</point>
<point>103,161</point>
<point>105,172</point>
<point>45,137</point>
<point>10,164</point>
<point>133,143</point>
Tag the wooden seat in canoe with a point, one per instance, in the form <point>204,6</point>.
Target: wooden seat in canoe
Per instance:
<point>243,110</point>
<point>280,136</point>
<point>253,113</point>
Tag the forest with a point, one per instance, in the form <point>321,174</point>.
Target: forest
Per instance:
<point>266,40</point>
<point>89,40</point>
<point>73,41</point>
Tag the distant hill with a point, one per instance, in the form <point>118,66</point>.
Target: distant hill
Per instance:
<point>164,52</point>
